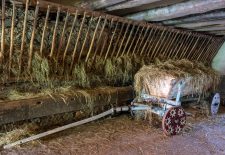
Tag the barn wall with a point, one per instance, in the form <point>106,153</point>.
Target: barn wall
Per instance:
<point>218,61</point>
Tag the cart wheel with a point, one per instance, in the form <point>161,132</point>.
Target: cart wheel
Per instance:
<point>174,121</point>
<point>215,104</point>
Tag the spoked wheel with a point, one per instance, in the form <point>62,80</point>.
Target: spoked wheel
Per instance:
<point>215,104</point>
<point>174,121</point>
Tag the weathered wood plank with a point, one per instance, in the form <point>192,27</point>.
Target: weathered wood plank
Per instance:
<point>197,18</point>
<point>14,111</point>
<point>178,10</point>
<point>201,24</point>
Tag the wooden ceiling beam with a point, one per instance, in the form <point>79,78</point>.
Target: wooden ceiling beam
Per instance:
<point>202,17</point>
<point>178,10</point>
<point>130,4</point>
<point>201,24</point>
<point>125,8</point>
<point>212,28</point>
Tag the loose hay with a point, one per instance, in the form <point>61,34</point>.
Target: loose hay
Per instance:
<point>80,76</point>
<point>17,134</point>
<point>160,79</point>
<point>40,70</point>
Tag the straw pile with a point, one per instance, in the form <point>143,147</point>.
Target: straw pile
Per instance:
<point>161,79</point>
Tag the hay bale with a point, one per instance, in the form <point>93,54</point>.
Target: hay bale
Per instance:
<point>162,78</point>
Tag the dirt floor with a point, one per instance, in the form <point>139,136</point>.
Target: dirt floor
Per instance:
<point>123,135</point>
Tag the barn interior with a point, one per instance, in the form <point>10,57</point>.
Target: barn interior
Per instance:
<point>105,76</point>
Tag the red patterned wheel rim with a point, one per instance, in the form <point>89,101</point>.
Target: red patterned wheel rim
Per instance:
<point>174,121</point>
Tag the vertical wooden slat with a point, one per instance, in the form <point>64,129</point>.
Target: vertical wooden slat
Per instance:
<point>160,45</point>
<point>174,50</point>
<point>174,45</point>
<point>168,38</point>
<point>99,38</point>
<point>132,42</point>
<point>143,39</point>
<point>182,49</point>
<point>186,49</point>
<point>131,32</point>
<point>118,38</point>
<point>174,35</point>
<point>111,40</point>
<point>12,36</point>
<point>212,51</point>
<point>44,31</point>
<point>69,39</point>
<point>134,50</point>
<point>54,33</point>
<point>190,52</point>
<point>216,49</point>
<point>208,49</point>
<point>61,42</point>
<point>178,49</point>
<point>146,41</point>
<point>3,32</point>
<point>77,40</point>
<point>202,50</point>
<point>156,46</point>
<point>23,35</point>
<point>85,39</point>
<point>32,37</point>
<point>93,38</point>
<point>153,40</point>
<point>194,55</point>
<point>121,44</point>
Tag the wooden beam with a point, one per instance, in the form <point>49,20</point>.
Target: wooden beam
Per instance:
<point>197,18</point>
<point>212,28</point>
<point>130,4</point>
<point>136,7</point>
<point>14,111</point>
<point>201,24</point>
<point>89,4</point>
<point>178,10</point>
